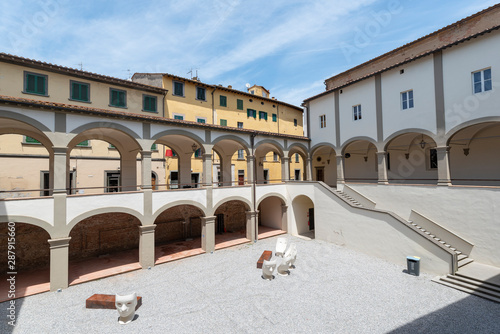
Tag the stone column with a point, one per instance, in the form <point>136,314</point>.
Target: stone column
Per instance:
<point>251,225</point>
<point>250,169</point>
<point>285,169</point>
<point>444,177</point>
<point>59,263</point>
<point>146,169</point>
<point>309,175</point>
<point>225,170</point>
<point>184,168</point>
<point>340,169</point>
<point>128,171</point>
<point>207,170</point>
<point>284,217</point>
<point>208,234</point>
<point>59,170</point>
<point>147,246</point>
<point>382,168</point>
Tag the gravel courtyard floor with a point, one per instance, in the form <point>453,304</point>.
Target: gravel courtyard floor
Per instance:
<point>332,290</point>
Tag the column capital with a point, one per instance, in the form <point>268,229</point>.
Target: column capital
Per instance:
<point>207,156</point>
<point>60,149</point>
<point>284,208</point>
<point>208,220</point>
<point>59,242</point>
<point>381,153</point>
<point>145,229</point>
<point>250,157</point>
<point>251,213</point>
<point>443,148</point>
<point>146,154</point>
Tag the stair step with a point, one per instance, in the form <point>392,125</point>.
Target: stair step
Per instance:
<point>431,235</point>
<point>464,262</point>
<point>481,284</point>
<point>436,238</point>
<point>458,252</point>
<point>453,249</point>
<point>471,290</point>
<point>446,245</point>
<point>427,232</point>
<point>462,256</point>
<point>495,285</point>
<point>442,242</point>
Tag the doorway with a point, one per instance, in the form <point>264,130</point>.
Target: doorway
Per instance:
<point>320,174</point>
<point>112,181</point>
<point>297,175</point>
<point>241,177</point>
<point>266,175</point>
<point>311,219</point>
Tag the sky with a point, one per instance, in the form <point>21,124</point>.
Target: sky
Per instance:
<point>289,47</point>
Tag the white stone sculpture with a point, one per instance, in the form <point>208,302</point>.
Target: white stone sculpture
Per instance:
<point>280,246</point>
<point>292,253</point>
<point>125,306</point>
<point>268,268</point>
<point>284,266</point>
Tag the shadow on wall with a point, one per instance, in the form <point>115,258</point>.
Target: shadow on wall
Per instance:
<point>470,315</point>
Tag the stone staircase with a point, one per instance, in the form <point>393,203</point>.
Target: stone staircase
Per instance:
<point>463,259</point>
<point>348,198</point>
<point>476,279</point>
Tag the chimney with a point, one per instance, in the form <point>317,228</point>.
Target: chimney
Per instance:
<point>230,87</point>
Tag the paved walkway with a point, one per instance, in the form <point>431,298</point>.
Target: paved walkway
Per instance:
<point>332,290</point>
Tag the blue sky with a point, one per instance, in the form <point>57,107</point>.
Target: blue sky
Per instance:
<point>290,47</point>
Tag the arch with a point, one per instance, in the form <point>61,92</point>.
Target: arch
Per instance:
<point>99,211</point>
<point>237,139</point>
<point>106,125</point>
<point>24,119</point>
<point>297,147</point>
<point>324,164</point>
<point>232,198</point>
<point>357,139</point>
<point>177,203</point>
<point>185,133</point>
<point>301,205</point>
<point>458,128</point>
<point>272,142</point>
<point>321,145</point>
<point>396,134</point>
<point>29,220</point>
<point>283,199</point>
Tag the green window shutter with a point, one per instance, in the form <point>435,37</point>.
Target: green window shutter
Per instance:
<point>153,147</point>
<point>275,118</point>
<point>75,94</point>
<point>201,120</point>
<point>149,103</point>
<point>295,122</point>
<point>30,140</point>
<point>30,83</point>
<point>239,104</point>
<point>178,88</point>
<point>40,85</point>
<point>197,153</point>
<point>179,117</point>
<point>249,112</point>
<point>265,116</point>
<point>223,101</point>
<point>84,143</point>
<point>223,122</point>
<point>84,92</point>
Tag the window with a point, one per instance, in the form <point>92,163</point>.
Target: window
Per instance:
<point>356,112</point>
<point>275,156</point>
<point>407,100</point>
<point>200,93</point>
<point>252,92</point>
<point>179,117</point>
<point>201,120</point>
<point>149,103</point>
<point>294,122</point>
<point>481,81</point>
<point>433,158</point>
<point>264,94</point>
<point>117,98</point>
<point>178,88</point>
<point>35,83</point>
<point>154,147</point>
<point>197,153</point>
<point>84,143</point>
<point>223,101</point>
<point>239,104</point>
<point>296,157</point>
<point>223,122</point>
<point>263,115</point>
<point>29,140</point>
<point>275,118</point>
<point>241,154</point>
<point>240,125</point>
<point>322,121</point>
<point>252,113</point>
<point>79,91</point>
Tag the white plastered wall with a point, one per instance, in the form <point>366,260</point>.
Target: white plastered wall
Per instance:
<point>324,105</point>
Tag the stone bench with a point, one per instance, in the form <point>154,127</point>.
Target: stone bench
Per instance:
<point>106,302</point>
<point>266,255</point>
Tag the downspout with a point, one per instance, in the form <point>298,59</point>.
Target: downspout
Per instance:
<point>278,116</point>
<point>213,106</point>
<point>164,100</point>
<point>254,185</point>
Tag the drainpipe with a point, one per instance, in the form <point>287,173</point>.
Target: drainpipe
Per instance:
<point>164,99</point>
<point>254,184</point>
<point>278,116</point>
<point>213,106</point>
